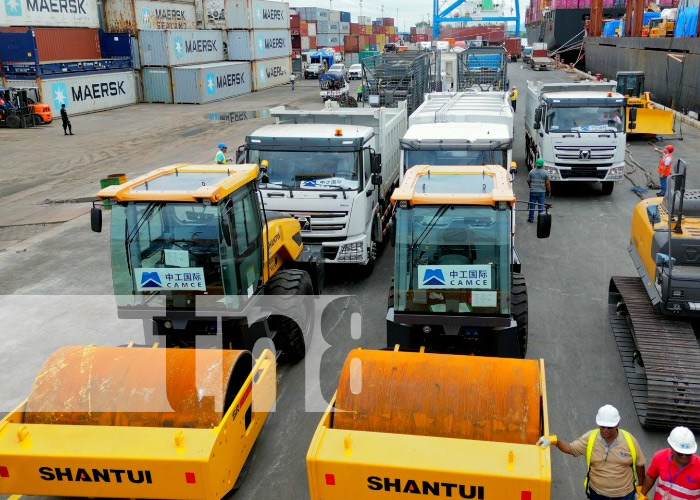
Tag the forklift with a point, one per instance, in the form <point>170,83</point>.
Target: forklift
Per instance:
<point>14,109</point>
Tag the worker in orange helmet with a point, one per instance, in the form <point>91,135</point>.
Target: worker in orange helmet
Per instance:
<point>665,165</point>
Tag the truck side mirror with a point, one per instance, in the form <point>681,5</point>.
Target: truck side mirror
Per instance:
<point>377,179</point>
<point>96,219</point>
<point>376,160</point>
<point>544,225</point>
<point>536,125</point>
<point>241,154</point>
<point>538,116</point>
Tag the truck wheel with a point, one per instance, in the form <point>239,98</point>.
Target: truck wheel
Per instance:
<point>36,119</point>
<point>289,336</point>
<point>13,121</point>
<point>607,187</point>
<point>519,302</point>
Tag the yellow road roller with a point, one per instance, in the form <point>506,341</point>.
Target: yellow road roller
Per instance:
<point>136,422</point>
<point>439,425</point>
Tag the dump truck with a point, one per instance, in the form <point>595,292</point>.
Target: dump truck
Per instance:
<point>457,284</point>
<point>654,316</point>
<point>646,118</point>
<point>404,424</point>
<point>198,256</point>
<point>482,68</point>
<point>333,170</point>
<point>578,129</point>
<point>539,59</point>
<point>460,128</point>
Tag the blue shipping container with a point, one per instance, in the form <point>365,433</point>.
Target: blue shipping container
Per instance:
<point>344,17</point>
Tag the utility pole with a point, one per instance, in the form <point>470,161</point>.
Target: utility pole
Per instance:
<point>382,11</point>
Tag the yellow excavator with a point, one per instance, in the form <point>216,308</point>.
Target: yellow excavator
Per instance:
<point>197,256</point>
<point>642,117</point>
<point>655,316</point>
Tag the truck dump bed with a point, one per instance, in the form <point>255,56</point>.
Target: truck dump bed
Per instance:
<point>439,425</point>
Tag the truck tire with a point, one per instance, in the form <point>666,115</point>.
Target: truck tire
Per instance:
<point>13,121</point>
<point>608,187</point>
<point>519,303</point>
<point>289,336</point>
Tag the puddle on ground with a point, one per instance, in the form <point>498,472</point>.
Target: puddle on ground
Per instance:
<point>238,116</point>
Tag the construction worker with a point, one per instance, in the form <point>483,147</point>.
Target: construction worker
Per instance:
<point>293,78</point>
<point>220,156</point>
<point>677,468</point>
<point>360,92</point>
<point>665,165</point>
<point>614,458</point>
<point>538,180</point>
<point>65,121</point>
<point>514,97</point>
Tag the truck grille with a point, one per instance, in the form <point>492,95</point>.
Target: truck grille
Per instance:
<point>582,171</point>
<point>584,153</point>
<point>321,222</point>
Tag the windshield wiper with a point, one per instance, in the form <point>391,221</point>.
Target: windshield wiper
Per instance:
<point>281,185</point>
<point>429,227</point>
<point>336,186</point>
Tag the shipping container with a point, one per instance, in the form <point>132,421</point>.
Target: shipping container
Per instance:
<point>296,42</point>
<point>364,20</point>
<point>344,16</point>
<point>388,21</point>
<point>305,45</point>
<point>352,58</point>
<point>135,55</point>
<point>313,13</point>
<point>176,47</point>
<point>271,72</point>
<point>54,13</point>
<point>327,40</point>
<point>211,12</point>
<point>157,85</point>
<point>334,16</point>
<point>313,42</point>
<point>381,39</point>
<point>313,28</point>
<point>327,27</point>
<point>201,83</point>
<point>351,44</point>
<point>390,30</point>
<point>294,21</point>
<point>355,29</point>
<point>303,28</point>
<point>133,15</point>
<point>52,44</point>
<point>244,45</point>
<point>256,14</point>
<point>378,29</point>
<point>344,28</point>
<point>86,93</point>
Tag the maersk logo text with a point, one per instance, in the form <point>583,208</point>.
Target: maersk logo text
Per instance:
<point>273,14</point>
<point>200,46</point>
<point>57,6</point>
<point>97,91</point>
<point>275,71</point>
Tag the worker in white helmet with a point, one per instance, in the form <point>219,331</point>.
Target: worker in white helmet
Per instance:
<point>677,468</point>
<point>613,456</point>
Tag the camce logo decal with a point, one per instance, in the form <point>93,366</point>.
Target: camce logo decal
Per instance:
<point>432,488</point>
<point>81,475</point>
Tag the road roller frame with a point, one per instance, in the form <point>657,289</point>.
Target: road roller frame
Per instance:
<point>347,464</point>
<point>137,462</point>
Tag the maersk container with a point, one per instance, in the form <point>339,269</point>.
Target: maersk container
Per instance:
<point>334,15</point>
<point>256,14</point>
<point>314,13</point>
<point>122,15</point>
<point>328,27</point>
<point>90,92</point>
<point>55,13</point>
<point>214,14</point>
<point>157,85</point>
<point>203,83</point>
<point>23,44</point>
<point>328,40</point>
<point>271,72</point>
<point>176,47</point>
<point>244,45</point>
<point>344,28</point>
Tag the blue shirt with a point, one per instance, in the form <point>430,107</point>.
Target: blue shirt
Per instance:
<point>538,178</point>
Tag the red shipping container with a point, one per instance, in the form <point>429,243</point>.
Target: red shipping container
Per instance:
<point>294,21</point>
<point>303,28</point>
<point>312,42</point>
<point>387,21</point>
<point>296,53</point>
<point>352,43</point>
<point>372,39</point>
<point>413,30</point>
<point>296,42</point>
<point>355,29</point>
<point>64,44</point>
<point>394,38</point>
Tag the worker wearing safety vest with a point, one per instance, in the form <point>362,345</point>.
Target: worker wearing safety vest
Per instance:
<point>677,468</point>
<point>665,166</point>
<point>614,458</point>
<point>220,157</point>
<point>514,97</point>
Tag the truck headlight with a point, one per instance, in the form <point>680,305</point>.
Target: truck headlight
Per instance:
<point>351,252</point>
<point>553,173</point>
<point>616,173</point>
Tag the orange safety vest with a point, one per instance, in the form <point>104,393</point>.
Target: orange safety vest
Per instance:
<point>665,170</point>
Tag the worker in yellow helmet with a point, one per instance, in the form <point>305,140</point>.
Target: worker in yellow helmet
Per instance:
<point>514,97</point>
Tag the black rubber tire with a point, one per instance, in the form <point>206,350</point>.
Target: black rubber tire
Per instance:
<point>13,121</point>
<point>289,337</point>
<point>36,119</point>
<point>519,307</point>
<point>608,187</point>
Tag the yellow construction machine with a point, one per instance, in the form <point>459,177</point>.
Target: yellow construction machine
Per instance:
<point>642,117</point>
<point>194,253</point>
<point>655,316</point>
<point>432,425</point>
<point>661,27</point>
<point>457,285</point>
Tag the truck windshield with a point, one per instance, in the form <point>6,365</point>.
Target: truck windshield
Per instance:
<point>414,158</point>
<point>453,259</point>
<point>311,169</point>
<point>589,119</point>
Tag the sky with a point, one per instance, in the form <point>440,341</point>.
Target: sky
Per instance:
<point>408,12</point>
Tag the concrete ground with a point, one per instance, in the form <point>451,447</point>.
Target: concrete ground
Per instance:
<point>57,283</point>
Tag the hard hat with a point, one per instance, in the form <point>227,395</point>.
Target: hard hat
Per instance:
<point>669,148</point>
<point>682,441</point>
<point>264,163</point>
<point>607,416</point>
<point>515,87</point>
<point>222,145</point>
<point>539,162</point>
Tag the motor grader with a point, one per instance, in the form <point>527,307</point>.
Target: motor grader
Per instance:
<point>194,253</point>
<point>457,285</point>
<point>655,316</point>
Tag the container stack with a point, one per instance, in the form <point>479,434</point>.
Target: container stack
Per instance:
<point>324,28</point>
<point>65,56</point>
<point>367,40</point>
<point>422,34</point>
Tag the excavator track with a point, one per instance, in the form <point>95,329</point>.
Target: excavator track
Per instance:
<point>666,391</point>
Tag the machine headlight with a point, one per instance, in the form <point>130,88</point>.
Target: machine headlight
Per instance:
<point>351,252</point>
<point>616,173</point>
<point>553,173</point>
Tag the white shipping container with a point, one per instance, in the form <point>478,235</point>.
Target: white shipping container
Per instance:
<point>271,72</point>
<point>203,83</point>
<point>89,92</point>
<point>305,43</point>
<point>334,15</point>
<point>52,13</point>
<point>214,13</point>
<point>244,45</point>
<point>176,47</point>
<point>122,15</point>
<point>312,29</point>
<point>344,28</point>
<point>327,39</point>
<point>256,14</point>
